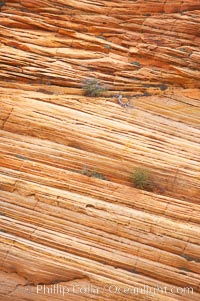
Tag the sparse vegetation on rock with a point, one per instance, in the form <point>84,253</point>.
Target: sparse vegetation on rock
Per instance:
<point>92,173</point>
<point>140,178</point>
<point>93,88</point>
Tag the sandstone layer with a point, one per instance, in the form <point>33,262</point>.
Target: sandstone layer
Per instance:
<point>60,226</point>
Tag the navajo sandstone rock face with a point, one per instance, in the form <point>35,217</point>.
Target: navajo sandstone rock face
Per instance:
<point>69,236</point>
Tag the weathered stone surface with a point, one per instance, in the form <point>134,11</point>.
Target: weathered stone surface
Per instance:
<point>61,228</point>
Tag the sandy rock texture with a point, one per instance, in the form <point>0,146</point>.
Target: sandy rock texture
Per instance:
<point>74,227</point>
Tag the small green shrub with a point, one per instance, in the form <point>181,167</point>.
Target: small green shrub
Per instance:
<point>93,88</point>
<point>140,178</point>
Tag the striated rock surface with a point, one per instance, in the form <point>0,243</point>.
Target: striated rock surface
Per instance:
<point>67,235</point>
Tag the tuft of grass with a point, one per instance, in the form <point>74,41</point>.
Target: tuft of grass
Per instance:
<point>140,178</point>
<point>93,88</point>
